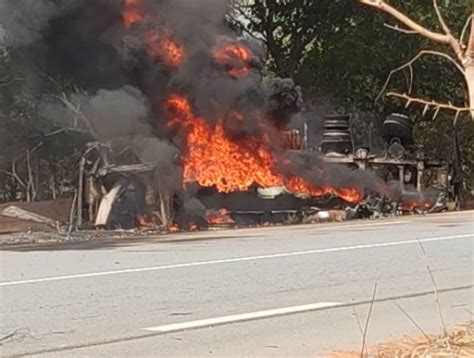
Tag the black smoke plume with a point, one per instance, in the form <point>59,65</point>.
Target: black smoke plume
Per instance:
<point>123,85</point>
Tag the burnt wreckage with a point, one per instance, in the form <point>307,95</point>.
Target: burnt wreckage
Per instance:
<point>117,189</point>
<point>201,139</point>
<point>188,134</point>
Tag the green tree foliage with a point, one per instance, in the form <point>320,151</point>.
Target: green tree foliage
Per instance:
<point>353,51</point>
<point>353,64</point>
<point>355,61</point>
<point>288,27</point>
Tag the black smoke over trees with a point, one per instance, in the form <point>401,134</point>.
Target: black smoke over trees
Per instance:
<point>70,72</point>
<point>38,150</point>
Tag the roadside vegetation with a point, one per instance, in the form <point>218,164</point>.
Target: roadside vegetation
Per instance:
<point>459,342</point>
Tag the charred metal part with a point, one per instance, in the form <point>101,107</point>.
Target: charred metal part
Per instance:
<point>336,134</point>
<point>293,139</point>
<point>398,128</point>
<point>117,194</point>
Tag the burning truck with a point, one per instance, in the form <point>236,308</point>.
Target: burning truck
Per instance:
<point>119,189</point>
<point>220,151</point>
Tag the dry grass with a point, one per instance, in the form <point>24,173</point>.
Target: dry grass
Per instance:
<point>458,343</point>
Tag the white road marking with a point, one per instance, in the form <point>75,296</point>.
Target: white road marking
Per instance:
<point>351,226</point>
<point>233,260</point>
<point>303,227</point>
<point>168,328</point>
<point>251,316</point>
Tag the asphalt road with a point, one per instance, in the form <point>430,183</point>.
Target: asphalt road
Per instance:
<point>279,291</point>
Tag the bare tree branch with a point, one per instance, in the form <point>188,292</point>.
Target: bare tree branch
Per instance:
<point>435,287</point>
<point>383,6</point>
<point>36,147</point>
<point>434,104</point>
<point>359,324</point>
<point>412,321</point>
<point>409,65</point>
<point>470,44</point>
<point>72,214</point>
<point>52,80</point>
<point>58,131</point>
<point>64,100</point>
<point>464,30</point>
<point>366,326</point>
<point>399,29</point>
<point>17,177</point>
<point>445,39</point>
<point>445,27</point>
<point>14,176</point>
<point>31,189</point>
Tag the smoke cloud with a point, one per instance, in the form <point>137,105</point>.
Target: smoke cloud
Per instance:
<point>116,113</point>
<point>24,21</point>
<point>124,75</point>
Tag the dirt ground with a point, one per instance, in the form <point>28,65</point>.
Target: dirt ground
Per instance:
<point>54,209</point>
<point>459,342</point>
<point>57,210</point>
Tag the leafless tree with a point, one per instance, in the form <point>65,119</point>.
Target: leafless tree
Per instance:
<point>459,51</point>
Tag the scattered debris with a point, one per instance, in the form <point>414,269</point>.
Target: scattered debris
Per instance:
<point>105,206</point>
<point>15,212</point>
<point>325,216</point>
<point>120,188</point>
<point>219,217</point>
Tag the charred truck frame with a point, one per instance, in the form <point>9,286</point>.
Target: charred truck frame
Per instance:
<point>117,190</point>
<point>398,161</point>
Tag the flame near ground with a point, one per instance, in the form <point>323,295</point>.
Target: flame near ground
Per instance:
<point>214,160</point>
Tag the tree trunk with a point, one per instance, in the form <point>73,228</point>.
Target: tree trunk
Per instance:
<point>469,67</point>
<point>470,83</point>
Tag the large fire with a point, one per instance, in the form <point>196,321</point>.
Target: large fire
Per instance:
<point>161,43</point>
<point>163,47</point>
<point>214,160</point>
<point>235,57</point>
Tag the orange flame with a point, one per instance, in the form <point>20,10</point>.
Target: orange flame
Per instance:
<point>179,106</point>
<point>145,221</point>
<point>412,205</point>
<point>174,228</point>
<point>212,159</point>
<point>219,217</point>
<point>162,47</point>
<point>193,227</point>
<point>236,57</point>
<point>132,13</point>
<point>161,44</point>
<point>300,185</point>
